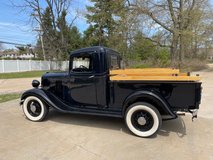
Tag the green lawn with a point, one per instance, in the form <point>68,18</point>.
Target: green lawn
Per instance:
<point>8,97</point>
<point>21,74</point>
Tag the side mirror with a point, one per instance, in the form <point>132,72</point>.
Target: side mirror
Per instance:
<point>35,83</point>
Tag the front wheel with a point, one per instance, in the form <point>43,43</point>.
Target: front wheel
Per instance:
<point>34,109</point>
<point>143,119</point>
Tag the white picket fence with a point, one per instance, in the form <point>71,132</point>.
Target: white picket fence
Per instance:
<point>7,66</point>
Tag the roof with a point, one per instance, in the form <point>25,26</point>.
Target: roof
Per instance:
<point>88,49</point>
<point>92,49</point>
<point>8,53</point>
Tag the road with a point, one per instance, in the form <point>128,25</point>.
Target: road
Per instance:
<point>68,136</point>
<point>206,109</point>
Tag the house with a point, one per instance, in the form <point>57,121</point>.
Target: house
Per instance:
<point>13,54</point>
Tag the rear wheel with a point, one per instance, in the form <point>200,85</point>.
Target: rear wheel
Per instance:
<point>34,109</point>
<point>143,119</point>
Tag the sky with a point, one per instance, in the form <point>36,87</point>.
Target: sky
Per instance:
<point>15,25</point>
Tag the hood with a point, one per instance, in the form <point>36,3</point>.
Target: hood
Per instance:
<point>54,75</point>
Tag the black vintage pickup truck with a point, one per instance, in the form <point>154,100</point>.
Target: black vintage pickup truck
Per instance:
<point>96,84</point>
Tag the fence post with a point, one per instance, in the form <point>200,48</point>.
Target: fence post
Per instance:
<point>30,68</point>
<point>40,65</point>
<point>49,65</point>
<point>17,63</point>
<point>3,65</point>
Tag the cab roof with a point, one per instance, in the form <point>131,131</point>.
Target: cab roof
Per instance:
<point>93,49</point>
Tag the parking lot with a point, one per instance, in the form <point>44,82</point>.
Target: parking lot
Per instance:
<point>68,136</point>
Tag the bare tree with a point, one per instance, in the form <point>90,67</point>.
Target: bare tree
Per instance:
<point>175,20</point>
<point>57,10</point>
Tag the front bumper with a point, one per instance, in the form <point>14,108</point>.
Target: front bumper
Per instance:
<point>21,102</point>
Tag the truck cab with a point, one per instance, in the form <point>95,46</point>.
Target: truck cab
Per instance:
<point>89,75</point>
<point>96,84</point>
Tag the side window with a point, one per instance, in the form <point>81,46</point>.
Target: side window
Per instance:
<point>114,62</point>
<point>82,63</point>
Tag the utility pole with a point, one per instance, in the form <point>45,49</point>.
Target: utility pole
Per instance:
<point>40,31</point>
<point>42,42</point>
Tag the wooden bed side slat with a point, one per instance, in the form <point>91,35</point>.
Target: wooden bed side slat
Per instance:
<point>155,78</point>
<point>141,71</point>
<point>150,74</point>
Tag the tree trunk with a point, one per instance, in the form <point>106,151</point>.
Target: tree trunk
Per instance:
<point>174,48</point>
<point>181,31</point>
<point>195,47</point>
<point>181,50</point>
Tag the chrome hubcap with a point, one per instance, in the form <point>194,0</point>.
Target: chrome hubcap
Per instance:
<point>141,121</point>
<point>32,107</point>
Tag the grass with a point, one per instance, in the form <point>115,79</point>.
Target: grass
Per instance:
<point>21,74</point>
<point>8,97</point>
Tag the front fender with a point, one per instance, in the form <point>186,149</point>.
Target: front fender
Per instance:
<point>41,94</point>
<point>150,95</point>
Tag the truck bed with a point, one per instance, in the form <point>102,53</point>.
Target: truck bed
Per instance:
<point>180,95</point>
<point>151,74</point>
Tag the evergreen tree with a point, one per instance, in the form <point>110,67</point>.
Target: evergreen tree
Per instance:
<point>60,39</point>
<point>103,18</point>
<point>90,38</point>
<point>63,30</point>
<point>49,35</point>
<point>74,39</point>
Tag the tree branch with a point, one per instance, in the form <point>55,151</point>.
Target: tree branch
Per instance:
<point>50,5</point>
<point>76,16</point>
<point>171,10</point>
<point>150,14</point>
<point>156,42</point>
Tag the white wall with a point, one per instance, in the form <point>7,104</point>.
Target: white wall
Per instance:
<point>7,66</point>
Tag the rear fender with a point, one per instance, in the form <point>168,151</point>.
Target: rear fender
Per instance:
<point>149,96</point>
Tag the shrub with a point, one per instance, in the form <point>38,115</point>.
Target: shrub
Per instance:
<point>189,65</point>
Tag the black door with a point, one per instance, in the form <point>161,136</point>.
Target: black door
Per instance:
<point>82,87</point>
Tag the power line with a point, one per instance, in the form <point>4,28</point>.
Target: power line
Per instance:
<point>14,43</point>
<point>15,40</point>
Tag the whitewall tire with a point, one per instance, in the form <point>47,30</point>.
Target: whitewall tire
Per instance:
<point>143,119</point>
<point>34,109</point>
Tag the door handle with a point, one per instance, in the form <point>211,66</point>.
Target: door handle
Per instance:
<point>91,76</point>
